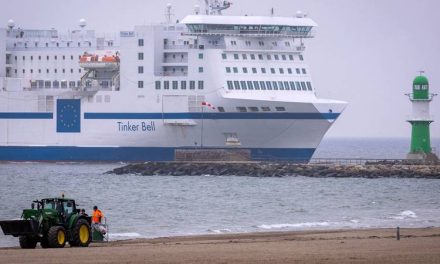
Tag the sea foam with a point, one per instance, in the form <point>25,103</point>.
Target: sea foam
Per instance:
<point>297,225</point>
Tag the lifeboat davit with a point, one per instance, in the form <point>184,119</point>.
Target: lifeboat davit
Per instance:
<point>93,61</point>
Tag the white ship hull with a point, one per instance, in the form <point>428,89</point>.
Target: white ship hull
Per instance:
<point>209,82</point>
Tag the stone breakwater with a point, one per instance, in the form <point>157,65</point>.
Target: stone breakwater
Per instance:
<point>266,169</point>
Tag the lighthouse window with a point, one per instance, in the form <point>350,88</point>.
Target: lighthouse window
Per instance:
<point>200,69</point>
<point>157,85</point>
<point>201,85</point>
<point>230,86</point>
<point>192,85</point>
<point>292,85</point>
<point>175,85</point>
<point>183,85</point>
<point>303,86</point>
<point>243,85</point>
<point>304,71</point>
<point>140,42</point>
<point>237,85</point>
<point>256,85</point>
<point>201,56</point>
<point>140,69</point>
<point>166,85</point>
<point>140,56</point>
<point>228,69</point>
<point>140,84</point>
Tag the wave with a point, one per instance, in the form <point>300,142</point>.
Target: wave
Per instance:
<point>219,231</point>
<point>405,215</point>
<point>123,236</point>
<point>297,225</point>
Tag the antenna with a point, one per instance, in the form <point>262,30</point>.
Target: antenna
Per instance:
<point>169,14</point>
<point>421,72</point>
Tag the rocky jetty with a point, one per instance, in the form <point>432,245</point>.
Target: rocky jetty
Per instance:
<point>270,169</point>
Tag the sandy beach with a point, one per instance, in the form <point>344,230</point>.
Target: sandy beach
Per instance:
<point>419,245</point>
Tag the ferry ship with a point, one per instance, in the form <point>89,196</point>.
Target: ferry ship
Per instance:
<point>209,81</point>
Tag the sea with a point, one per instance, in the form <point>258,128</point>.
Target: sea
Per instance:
<point>161,206</point>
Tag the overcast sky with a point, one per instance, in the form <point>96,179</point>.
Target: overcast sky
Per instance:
<point>366,52</point>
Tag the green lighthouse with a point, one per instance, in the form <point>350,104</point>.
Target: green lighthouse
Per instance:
<point>420,120</point>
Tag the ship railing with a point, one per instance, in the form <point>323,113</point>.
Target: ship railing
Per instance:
<point>180,47</point>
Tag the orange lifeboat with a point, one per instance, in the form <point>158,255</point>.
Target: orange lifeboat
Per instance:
<point>93,61</point>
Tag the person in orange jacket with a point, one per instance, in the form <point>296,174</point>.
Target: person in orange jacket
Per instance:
<point>97,215</point>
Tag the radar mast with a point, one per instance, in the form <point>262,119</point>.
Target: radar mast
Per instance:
<point>215,7</point>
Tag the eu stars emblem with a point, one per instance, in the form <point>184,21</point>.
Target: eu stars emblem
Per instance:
<point>68,115</point>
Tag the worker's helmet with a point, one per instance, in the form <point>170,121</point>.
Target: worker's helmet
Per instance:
<point>95,207</point>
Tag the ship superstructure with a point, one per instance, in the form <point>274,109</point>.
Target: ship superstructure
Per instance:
<point>209,81</point>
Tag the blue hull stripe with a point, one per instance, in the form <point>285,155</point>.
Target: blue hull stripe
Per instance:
<point>22,115</point>
<point>132,154</point>
<point>328,116</point>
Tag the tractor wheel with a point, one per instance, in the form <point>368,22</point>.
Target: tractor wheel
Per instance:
<point>81,234</point>
<point>44,242</point>
<point>27,242</point>
<point>56,237</point>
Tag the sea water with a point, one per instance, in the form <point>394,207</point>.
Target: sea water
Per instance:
<point>156,206</point>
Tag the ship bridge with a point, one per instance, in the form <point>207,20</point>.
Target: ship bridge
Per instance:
<point>250,26</point>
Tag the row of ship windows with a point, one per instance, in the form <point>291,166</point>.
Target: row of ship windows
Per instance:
<point>269,85</point>
<point>55,57</point>
<point>175,85</point>
<point>55,84</point>
<point>245,56</point>
<point>243,109</point>
<point>57,44</point>
<point>39,71</point>
<point>263,70</point>
<point>261,43</point>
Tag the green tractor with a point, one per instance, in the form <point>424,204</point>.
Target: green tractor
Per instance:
<point>53,222</point>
